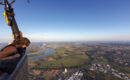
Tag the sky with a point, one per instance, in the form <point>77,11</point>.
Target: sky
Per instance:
<point>70,20</point>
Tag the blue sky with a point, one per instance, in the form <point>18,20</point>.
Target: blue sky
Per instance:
<point>70,20</point>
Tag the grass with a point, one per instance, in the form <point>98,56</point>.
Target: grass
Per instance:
<point>63,58</point>
<point>68,61</point>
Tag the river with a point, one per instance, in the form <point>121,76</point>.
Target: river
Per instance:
<point>50,52</point>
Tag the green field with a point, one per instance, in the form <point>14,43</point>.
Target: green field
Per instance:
<point>62,58</point>
<point>68,61</point>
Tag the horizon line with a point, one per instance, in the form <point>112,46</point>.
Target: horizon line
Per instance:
<point>78,41</point>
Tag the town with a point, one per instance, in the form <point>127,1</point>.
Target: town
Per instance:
<point>83,61</point>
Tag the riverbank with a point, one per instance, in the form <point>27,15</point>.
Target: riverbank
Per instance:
<point>49,52</point>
